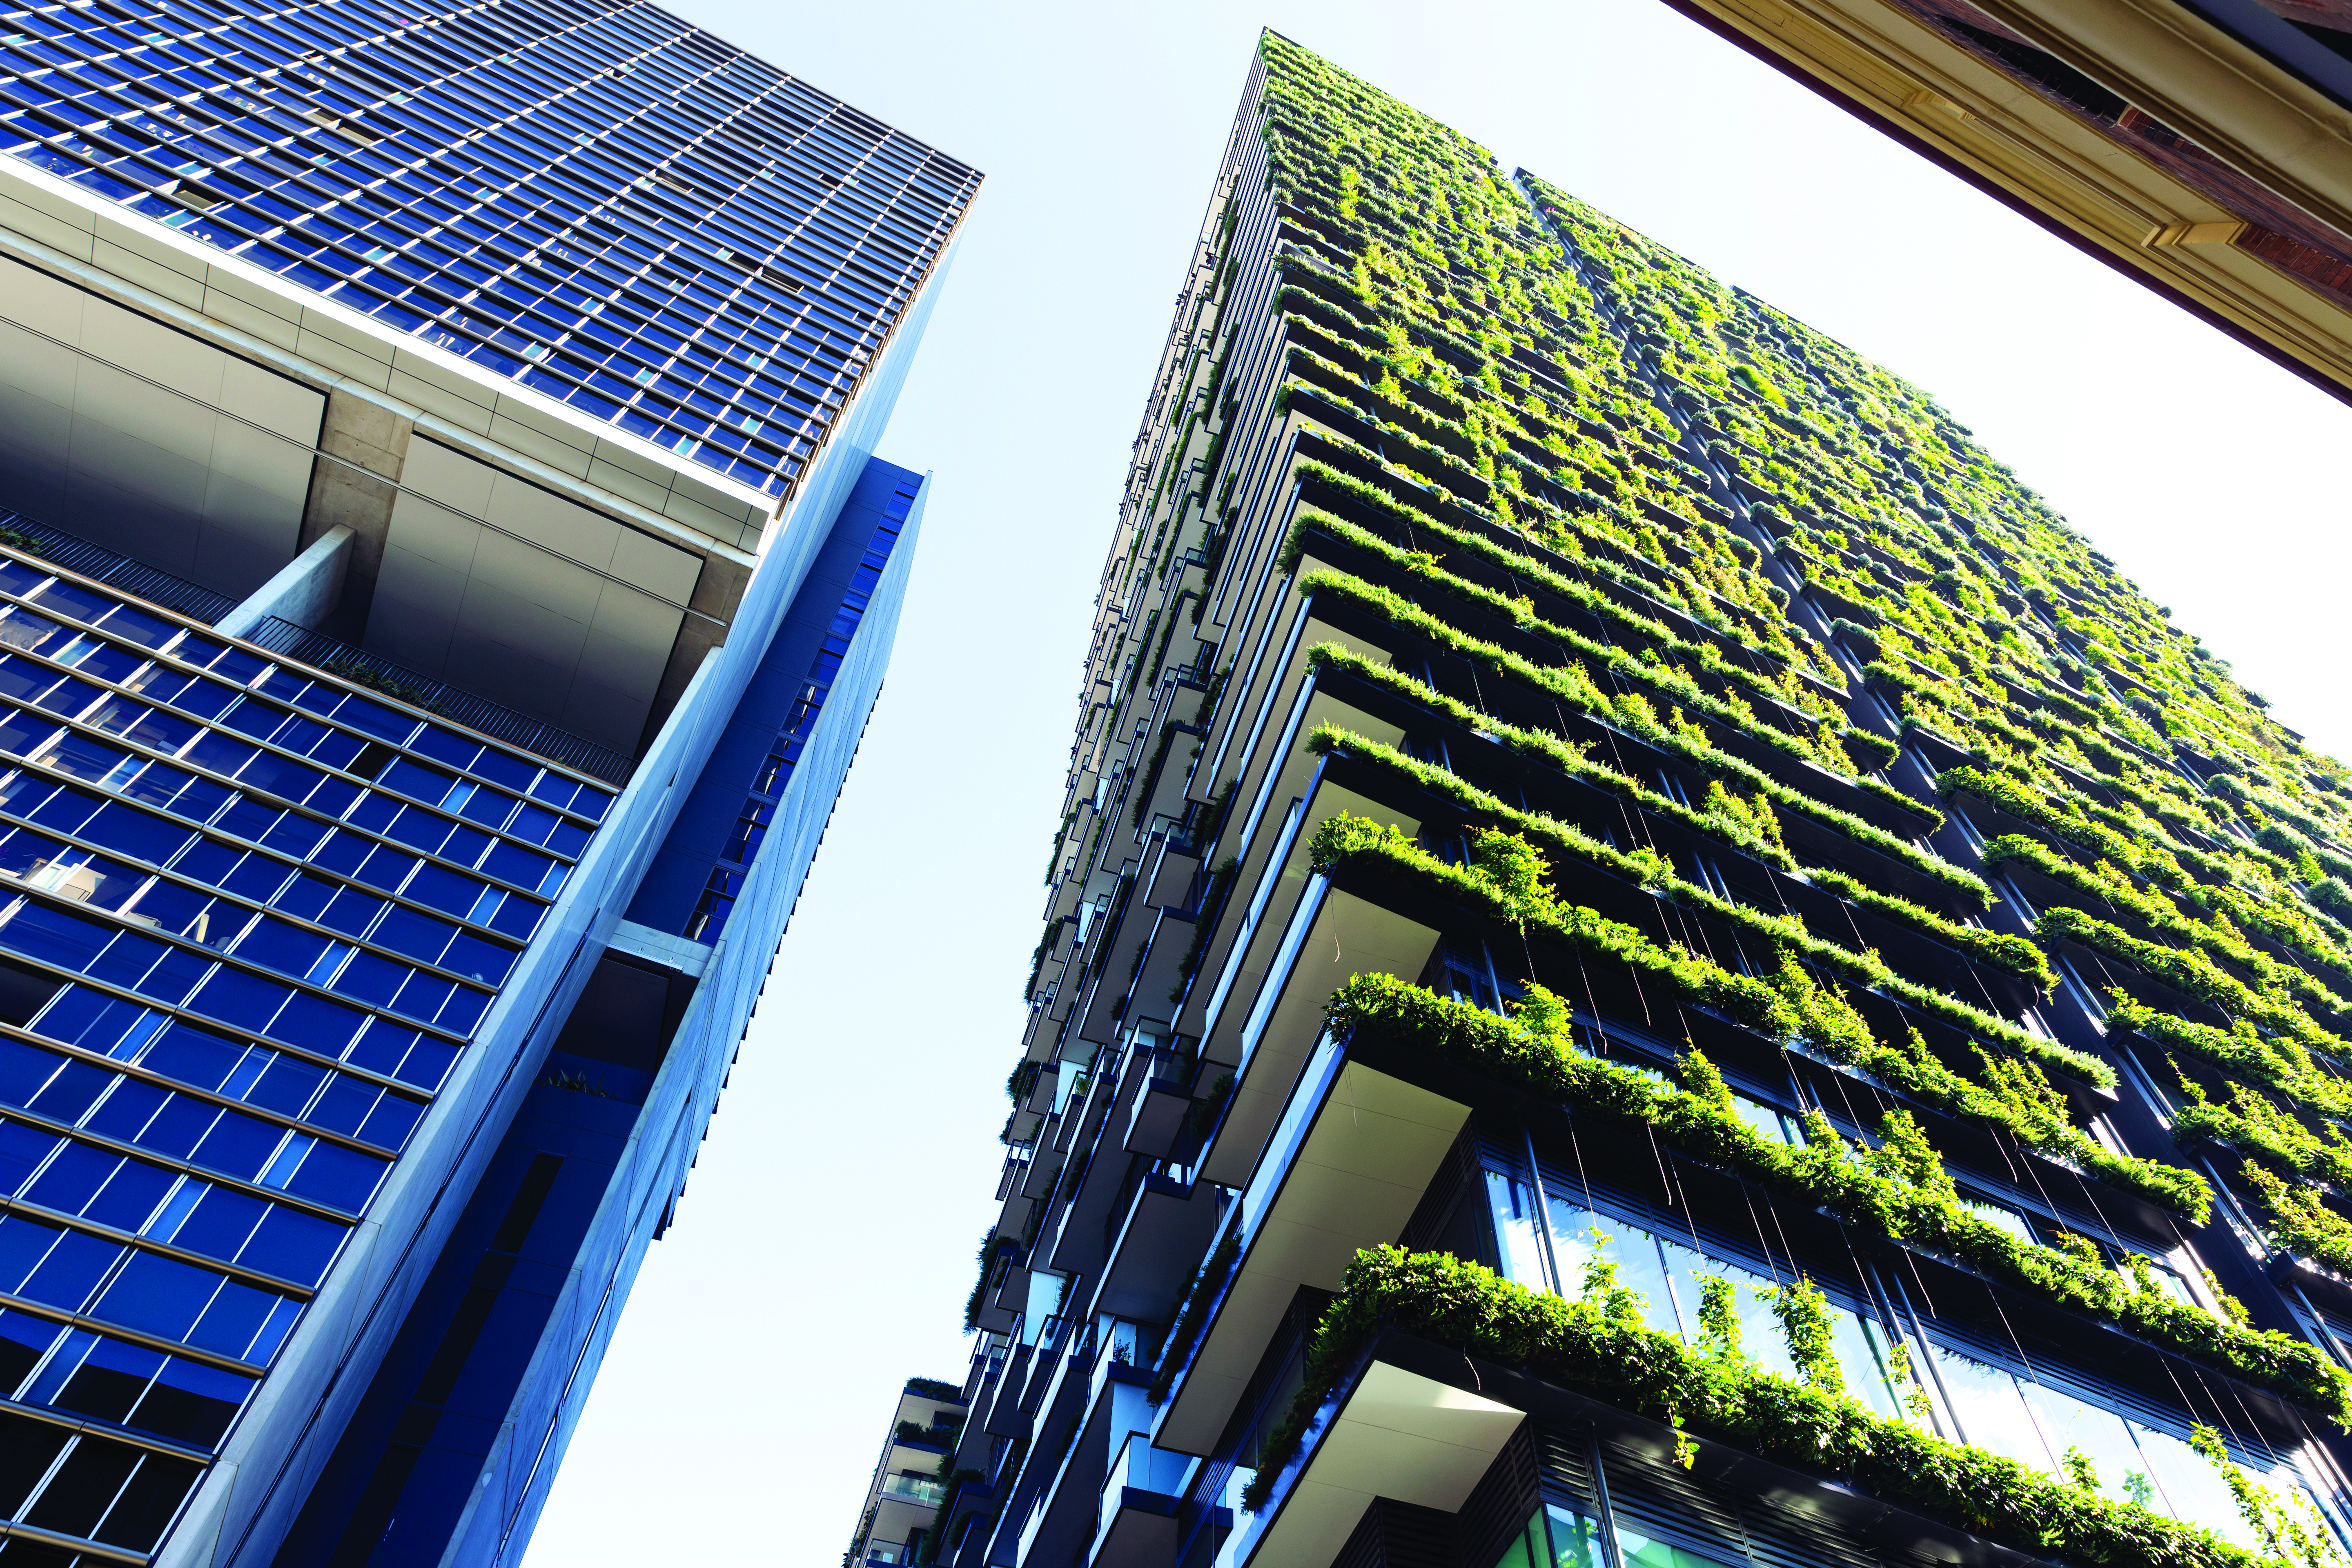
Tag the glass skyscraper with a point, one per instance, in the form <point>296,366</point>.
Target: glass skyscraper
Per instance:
<point>1649,964</point>
<point>444,577</point>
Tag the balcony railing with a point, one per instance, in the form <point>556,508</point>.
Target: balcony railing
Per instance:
<point>60,549</point>
<point>915,1489</point>
<point>438,697</point>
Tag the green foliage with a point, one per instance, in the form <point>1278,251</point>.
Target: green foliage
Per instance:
<point>1575,687</point>
<point>993,1247</point>
<point>1806,1323</point>
<point>2299,1220</point>
<point>2289,1528</point>
<point>2284,1063</point>
<point>432,697</point>
<point>1585,1344</point>
<point>1519,483</point>
<point>1700,979</point>
<point>2253,1125</point>
<point>1899,1189</point>
<point>2191,971</point>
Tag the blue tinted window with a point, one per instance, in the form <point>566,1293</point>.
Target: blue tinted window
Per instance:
<point>22,1148</point>
<point>235,1316</point>
<point>74,1265</point>
<point>130,1196</point>
<point>220,1223</point>
<point>22,1244</point>
<point>159,1295</point>
<point>73,1178</point>
<point>190,1402</point>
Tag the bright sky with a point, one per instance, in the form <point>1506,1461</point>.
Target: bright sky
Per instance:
<point>825,1246</point>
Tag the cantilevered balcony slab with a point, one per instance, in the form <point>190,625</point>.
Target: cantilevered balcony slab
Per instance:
<point>1330,937</point>
<point>1400,1435</point>
<point>1262,821</point>
<point>1078,1241</point>
<point>1158,1116</point>
<point>1354,1150</point>
<point>1136,1523</point>
<point>1161,1237</point>
<point>1148,1000</point>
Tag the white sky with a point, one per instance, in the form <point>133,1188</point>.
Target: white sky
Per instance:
<point>823,1249</point>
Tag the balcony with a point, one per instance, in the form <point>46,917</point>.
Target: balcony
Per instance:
<point>1290,953</point>
<point>1157,1113</point>
<point>1096,1402</point>
<point>73,554</point>
<point>1137,1525</point>
<point>922,1492</point>
<point>1353,1151</point>
<point>1161,1225</point>
<point>1390,1430</point>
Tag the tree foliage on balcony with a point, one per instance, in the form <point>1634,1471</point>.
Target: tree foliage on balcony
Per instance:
<point>1597,1343</point>
<point>1898,1189</point>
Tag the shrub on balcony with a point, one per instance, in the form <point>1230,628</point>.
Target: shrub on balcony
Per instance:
<point>1712,1390</point>
<point>1899,1190</point>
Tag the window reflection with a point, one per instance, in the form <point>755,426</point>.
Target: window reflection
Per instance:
<point>1664,1274</point>
<point>1557,1538</point>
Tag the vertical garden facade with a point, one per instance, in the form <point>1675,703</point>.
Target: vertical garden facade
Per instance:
<point>1650,961</point>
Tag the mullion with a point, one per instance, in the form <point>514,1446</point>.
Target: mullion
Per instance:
<point>722,129</point>
<point>499,939</point>
<point>222,1099</point>
<point>141,749</point>
<point>349,688</point>
<point>129,1436</point>
<point>120,923</point>
<point>250,1188</point>
<point>275,705</point>
<point>42,1213</point>
<point>139,1337</point>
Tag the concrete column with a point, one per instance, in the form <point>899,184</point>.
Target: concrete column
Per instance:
<point>305,591</point>
<point>354,484</point>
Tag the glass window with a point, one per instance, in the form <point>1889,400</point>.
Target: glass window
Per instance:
<point>1574,1540</point>
<point>190,1402</point>
<point>2101,1436</point>
<point>1580,1238</point>
<point>24,1341</point>
<point>1992,1411</point>
<point>1513,1203</point>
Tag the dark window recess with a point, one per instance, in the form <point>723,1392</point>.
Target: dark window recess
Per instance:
<point>372,1520</point>
<point>726,884</point>
<point>373,759</point>
<point>24,991</point>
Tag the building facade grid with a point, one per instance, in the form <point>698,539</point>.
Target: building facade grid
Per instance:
<point>603,203</point>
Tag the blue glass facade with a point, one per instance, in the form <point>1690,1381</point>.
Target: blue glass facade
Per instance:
<point>603,202</point>
<point>563,1187</point>
<point>362,1003</point>
<point>253,919</point>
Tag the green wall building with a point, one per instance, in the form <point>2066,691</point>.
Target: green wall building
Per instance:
<point>1651,962</point>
